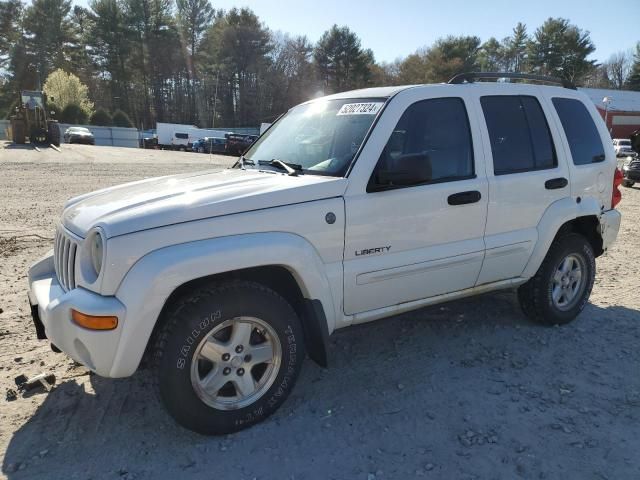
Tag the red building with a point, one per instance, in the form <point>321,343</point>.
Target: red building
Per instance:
<point>621,112</point>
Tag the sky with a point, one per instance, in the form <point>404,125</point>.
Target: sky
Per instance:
<point>397,28</point>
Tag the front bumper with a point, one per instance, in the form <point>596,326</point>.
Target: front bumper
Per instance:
<point>51,306</point>
<point>609,227</point>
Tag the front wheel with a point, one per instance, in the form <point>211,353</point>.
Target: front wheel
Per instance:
<point>627,183</point>
<point>560,289</point>
<point>227,357</point>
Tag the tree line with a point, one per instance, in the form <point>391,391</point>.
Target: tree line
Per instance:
<point>184,61</point>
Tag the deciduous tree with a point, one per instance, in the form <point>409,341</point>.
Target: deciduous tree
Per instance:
<point>67,89</point>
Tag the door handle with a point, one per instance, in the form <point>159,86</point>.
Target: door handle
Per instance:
<point>556,183</point>
<point>464,198</point>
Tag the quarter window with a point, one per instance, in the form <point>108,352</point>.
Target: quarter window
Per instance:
<point>519,134</point>
<point>582,134</point>
<point>431,143</point>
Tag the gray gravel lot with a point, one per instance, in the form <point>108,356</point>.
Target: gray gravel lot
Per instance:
<point>466,390</point>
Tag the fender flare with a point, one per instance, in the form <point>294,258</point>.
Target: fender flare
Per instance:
<point>556,215</point>
<point>149,283</point>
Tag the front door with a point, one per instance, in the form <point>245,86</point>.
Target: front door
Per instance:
<point>416,229</point>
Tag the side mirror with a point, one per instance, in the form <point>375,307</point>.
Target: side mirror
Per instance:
<point>408,169</point>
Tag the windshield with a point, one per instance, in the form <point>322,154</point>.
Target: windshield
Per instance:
<point>32,99</point>
<point>626,143</point>
<point>322,136</point>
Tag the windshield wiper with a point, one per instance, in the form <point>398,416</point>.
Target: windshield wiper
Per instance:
<point>291,168</point>
<point>243,161</point>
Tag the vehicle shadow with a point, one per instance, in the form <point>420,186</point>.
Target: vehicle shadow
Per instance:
<point>470,387</point>
<point>23,146</point>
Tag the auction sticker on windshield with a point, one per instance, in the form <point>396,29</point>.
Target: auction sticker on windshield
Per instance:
<point>368,108</point>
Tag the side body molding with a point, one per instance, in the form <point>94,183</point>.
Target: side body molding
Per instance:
<point>558,213</point>
<point>154,277</point>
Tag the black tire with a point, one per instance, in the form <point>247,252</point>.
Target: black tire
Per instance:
<point>19,132</point>
<point>627,183</point>
<point>186,325</point>
<point>535,296</point>
<point>54,134</point>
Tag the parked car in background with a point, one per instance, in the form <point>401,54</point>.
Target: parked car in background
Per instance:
<point>79,135</point>
<point>622,146</point>
<point>209,145</point>
<point>631,170</point>
<point>148,138</point>
<point>237,143</point>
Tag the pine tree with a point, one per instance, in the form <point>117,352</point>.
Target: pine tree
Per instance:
<point>341,61</point>
<point>633,80</point>
<point>48,35</point>
<point>560,49</point>
<point>515,48</point>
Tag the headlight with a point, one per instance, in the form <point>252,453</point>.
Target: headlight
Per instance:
<point>96,251</point>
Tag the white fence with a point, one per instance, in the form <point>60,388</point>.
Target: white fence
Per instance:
<point>109,136</point>
<point>118,136</point>
<point>105,136</point>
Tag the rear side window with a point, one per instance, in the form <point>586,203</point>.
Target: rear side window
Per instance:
<point>582,134</point>
<point>519,134</point>
<point>182,135</point>
<point>435,136</point>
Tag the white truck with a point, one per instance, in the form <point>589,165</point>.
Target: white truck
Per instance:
<point>350,208</point>
<point>174,136</point>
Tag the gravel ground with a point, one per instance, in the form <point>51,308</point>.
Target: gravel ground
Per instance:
<point>466,390</point>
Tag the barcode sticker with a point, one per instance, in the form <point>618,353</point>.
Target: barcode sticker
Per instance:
<point>368,108</point>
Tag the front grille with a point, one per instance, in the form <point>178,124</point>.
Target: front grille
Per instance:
<point>634,165</point>
<point>65,248</point>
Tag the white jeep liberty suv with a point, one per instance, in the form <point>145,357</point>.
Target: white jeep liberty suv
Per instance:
<point>350,208</point>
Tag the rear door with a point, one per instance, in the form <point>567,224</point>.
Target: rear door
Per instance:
<point>526,173</point>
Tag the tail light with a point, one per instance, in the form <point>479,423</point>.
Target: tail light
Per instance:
<point>616,196</point>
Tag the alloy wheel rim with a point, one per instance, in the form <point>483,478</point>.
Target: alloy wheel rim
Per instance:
<point>236,363</point>
<point>568,282</point>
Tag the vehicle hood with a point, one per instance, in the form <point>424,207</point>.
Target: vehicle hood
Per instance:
<point>157,202</point>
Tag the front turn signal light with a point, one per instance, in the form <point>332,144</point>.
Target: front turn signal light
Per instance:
<point>94,322</point>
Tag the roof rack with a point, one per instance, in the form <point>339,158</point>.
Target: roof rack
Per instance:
<point>470,77</point>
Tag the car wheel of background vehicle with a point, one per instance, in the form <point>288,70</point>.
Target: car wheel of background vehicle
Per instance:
<point>560,289</point>
<point>627,183</point>
<point>227,356</point>
<point>200,149</point>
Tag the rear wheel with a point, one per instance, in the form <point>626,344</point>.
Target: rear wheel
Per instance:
<point>227,357</point>
<point>54,134</point>
<point>560,289</point>
<point>627,183</point>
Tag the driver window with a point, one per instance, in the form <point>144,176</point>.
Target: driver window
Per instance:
<point>431,143</point>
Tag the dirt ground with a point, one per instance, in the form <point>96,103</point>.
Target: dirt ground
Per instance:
<point>466,390</point>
